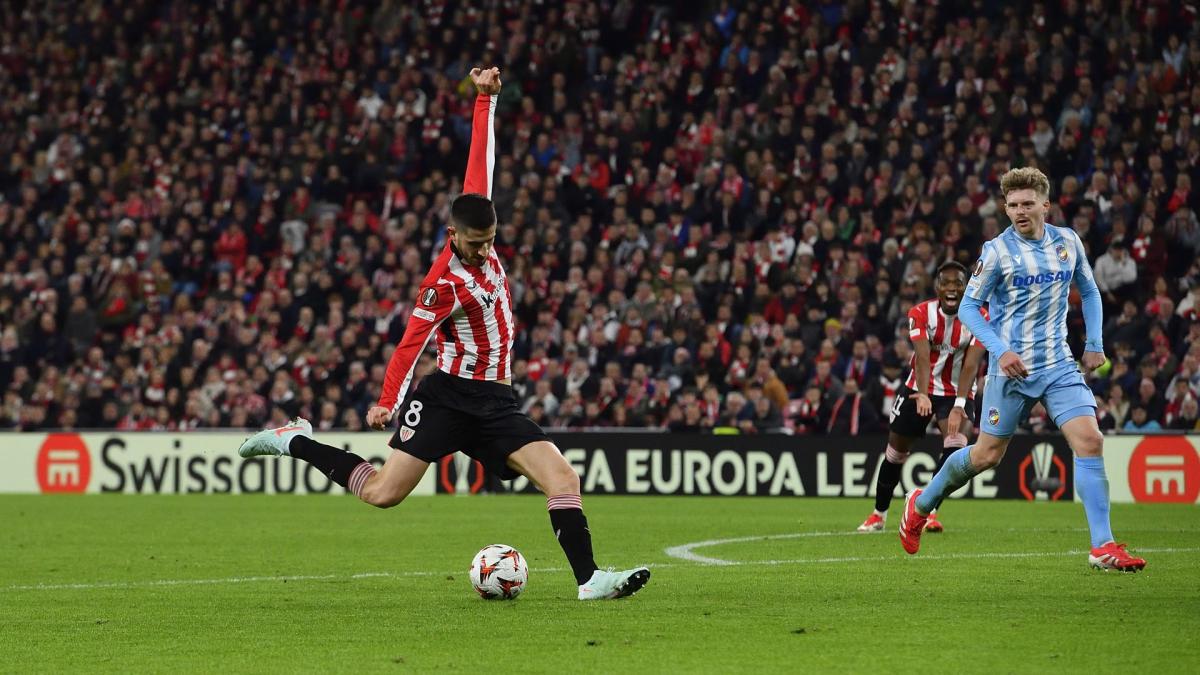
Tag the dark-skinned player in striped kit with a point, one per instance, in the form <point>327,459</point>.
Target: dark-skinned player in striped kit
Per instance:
<point>467,404</point>
<point>941,384</point>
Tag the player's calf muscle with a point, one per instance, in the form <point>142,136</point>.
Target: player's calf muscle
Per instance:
<point>378,493</point>
<point>985,455</point>
<point>373,495</point>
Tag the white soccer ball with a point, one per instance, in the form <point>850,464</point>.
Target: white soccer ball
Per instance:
<point>499,572</point>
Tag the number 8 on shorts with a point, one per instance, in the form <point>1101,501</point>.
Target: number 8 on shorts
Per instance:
<point>412,417</point>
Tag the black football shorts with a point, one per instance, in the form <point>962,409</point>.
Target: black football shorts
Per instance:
<point>906,421</point>
<point>445,414</point>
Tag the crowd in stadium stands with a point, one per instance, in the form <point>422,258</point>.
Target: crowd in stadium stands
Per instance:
<point>713,214</point>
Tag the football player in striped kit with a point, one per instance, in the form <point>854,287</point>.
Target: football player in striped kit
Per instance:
<point>941,381</point>
<point>467,404</point>
<point>1025,275</point>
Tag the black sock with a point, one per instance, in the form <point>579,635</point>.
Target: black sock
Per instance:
<point>889,478</point>
<point>946,452</point>
<point>571,528</point>
<point>333,462</point>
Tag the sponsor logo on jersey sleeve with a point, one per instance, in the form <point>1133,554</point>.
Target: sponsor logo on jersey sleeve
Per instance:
<point>429,297</point>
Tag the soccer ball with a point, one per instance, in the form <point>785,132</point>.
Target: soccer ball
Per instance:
<point>499,572</point>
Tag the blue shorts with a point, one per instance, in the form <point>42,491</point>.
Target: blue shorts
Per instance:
<point>1007,401</point>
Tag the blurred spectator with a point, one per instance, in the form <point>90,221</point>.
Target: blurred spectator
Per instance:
<point>1116,274</point>
<point>851,414</point>
<point>1128,327</point>
<point>1118,406</point>
<point>1177,395</point>
<point>737,413</point>
<point>1148,399</point>
<point>1104,418</point>
<point>809,413</point>
<point>1188,418</point>
<point>1141,421</point>
<point>767,417</point>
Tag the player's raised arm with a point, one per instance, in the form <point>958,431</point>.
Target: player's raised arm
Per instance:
<point>435,302</point>
<point>481,160</point>
<point>1093,308</point>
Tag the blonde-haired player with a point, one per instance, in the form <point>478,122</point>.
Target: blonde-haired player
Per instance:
<point>1025,275</point>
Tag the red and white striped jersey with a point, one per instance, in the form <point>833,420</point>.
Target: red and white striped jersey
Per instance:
<point>469,308</point>
<point>948,342</point>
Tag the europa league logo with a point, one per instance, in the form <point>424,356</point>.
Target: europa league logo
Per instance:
<point>1043,485</point>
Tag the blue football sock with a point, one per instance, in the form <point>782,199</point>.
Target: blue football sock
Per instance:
<point>954,474</point>
<point>1091,484</point>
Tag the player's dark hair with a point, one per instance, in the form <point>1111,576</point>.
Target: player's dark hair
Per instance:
<point>951,265</point>
<point>472,212</point>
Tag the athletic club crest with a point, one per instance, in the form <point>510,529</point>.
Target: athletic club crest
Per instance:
<point>406,433</point>
<point>993,416</point>
<point>1061,252</point>
<point>429,297</point>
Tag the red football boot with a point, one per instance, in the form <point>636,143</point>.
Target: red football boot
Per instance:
<point>912,524</point>
<point>1112,556</point>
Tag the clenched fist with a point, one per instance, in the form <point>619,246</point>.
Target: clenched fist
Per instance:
<point>1093,360</point>
<point>486,81</point>
<point>378,417</point>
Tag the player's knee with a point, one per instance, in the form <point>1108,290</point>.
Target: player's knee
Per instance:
<point>896,455</point>
<point>566,482</point>
<point>1089,444</point>
<point>563,481</point>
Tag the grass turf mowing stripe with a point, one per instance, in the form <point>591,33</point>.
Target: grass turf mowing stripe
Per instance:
<point>700,562</point>
<point>201,582</point>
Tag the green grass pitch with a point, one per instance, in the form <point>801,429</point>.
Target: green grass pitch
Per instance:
<point>325,584</point>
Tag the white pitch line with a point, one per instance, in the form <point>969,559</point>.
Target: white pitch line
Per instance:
<point>943,556</point>
<point>684,551</point>
<point>687,551</point>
